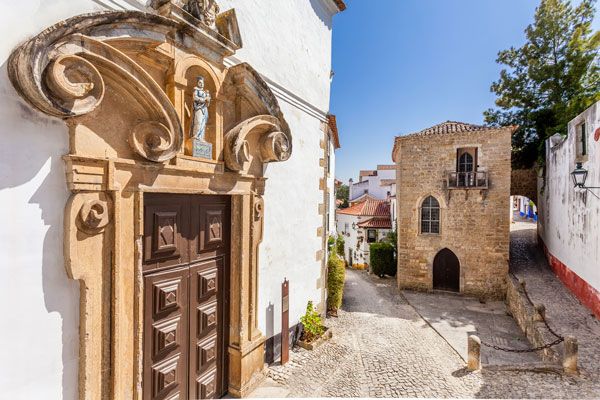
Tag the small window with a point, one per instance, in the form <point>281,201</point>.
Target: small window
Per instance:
<point>371,235</point>
<point>430,215</point>
<point>581,140</point>
<point>346,227</point>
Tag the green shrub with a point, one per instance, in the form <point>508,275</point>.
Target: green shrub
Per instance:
<point>336,275</point>
<point>382,259</point>
<point>340,245</point>
<point>330,243</point>
<point>311,321</point>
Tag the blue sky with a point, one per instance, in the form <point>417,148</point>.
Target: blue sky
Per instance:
<point>404,65</point>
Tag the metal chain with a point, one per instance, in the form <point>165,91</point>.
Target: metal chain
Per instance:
<point>546,346</point>
<point>558,340</point>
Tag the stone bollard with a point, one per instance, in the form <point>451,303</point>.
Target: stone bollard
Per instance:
<point>474,353</point>
<point>540,313</point>
<point>570,356</point>
<point>522,283</point>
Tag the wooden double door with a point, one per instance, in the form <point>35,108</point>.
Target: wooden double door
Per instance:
<point>186,292</point>
<point>446,271</point>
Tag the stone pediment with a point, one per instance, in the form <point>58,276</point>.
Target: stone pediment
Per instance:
<point>124,80</point>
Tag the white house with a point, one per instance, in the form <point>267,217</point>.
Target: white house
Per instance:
<point>379,183</point>
<point>364,222</point>
<point>569,216</point>
<point>101,189</point>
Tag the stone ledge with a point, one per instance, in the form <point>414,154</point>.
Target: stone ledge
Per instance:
<point>526,317</point>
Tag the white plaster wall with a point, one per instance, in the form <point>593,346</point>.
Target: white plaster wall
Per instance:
<point>289,42</point>
<point>349,240</point>
<point>331,188</point>
<point>373,185</point>
<point>41,305</point>
<point>569,218</point>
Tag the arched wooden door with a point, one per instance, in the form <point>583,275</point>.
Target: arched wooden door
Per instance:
<point>446,271</point>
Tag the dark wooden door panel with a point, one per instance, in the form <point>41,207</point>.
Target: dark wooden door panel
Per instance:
<point>166,334</point>
<point>166,231</point>
<point>210,227</point>
<point>186,253</point>
<point>208,335</point>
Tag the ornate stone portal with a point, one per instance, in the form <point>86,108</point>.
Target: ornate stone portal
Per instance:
<point>123,83</point>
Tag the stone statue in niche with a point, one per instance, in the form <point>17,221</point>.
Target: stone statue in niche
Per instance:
<point>204,10</point>
<point>200,147</point>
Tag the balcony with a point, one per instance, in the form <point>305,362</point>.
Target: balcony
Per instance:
<point>467,180</point>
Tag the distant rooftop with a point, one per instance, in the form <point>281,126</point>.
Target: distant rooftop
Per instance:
<point>449,127</point>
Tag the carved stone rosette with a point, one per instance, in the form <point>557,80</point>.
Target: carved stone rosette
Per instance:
<point>122,81</point>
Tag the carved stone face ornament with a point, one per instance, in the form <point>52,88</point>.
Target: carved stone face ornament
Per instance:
<point>204,10</point>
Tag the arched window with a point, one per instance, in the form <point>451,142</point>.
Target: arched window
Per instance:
<point>430,215</point>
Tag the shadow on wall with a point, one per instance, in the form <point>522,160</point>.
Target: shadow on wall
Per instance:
<point>32,173</point>
<point>317,6</point>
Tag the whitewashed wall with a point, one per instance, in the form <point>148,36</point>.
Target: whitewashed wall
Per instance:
<point>568,218</point>
<point>372,184</point>
<point>289,42</point>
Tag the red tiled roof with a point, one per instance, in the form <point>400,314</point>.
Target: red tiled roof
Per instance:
<point>448,127</point>
<point>340,4</point>
<point>376,223</point>
<point>370,208</point>
<point>334,130</point>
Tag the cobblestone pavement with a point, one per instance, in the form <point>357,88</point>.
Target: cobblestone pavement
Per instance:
<point>382,348</point>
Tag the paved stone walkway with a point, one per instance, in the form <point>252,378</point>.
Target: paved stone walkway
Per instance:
<point>455,317</point>
<point>383,348</point>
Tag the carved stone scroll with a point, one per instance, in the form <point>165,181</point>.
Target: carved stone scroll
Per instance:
<point>259,137</point>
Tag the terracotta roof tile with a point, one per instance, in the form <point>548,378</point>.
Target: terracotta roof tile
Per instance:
<point>450,127</point>
<point>377,223</point>
<point>369,207</point>
<point>340,4</point>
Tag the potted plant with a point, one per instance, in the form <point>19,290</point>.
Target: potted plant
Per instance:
<point>314,333</point>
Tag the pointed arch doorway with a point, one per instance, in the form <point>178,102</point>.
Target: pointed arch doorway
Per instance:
<point>446,271</point>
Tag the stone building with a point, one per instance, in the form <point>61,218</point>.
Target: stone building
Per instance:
<point>143,207</point>
<point>569,216</point>
<point>453,190</point>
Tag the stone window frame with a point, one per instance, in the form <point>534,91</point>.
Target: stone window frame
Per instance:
<point>439,220</point>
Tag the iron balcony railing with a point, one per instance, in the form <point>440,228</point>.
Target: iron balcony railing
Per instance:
<point>467,180</point>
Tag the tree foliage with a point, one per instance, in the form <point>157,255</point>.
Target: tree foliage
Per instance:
<point>342,193</point>
<point>550,79</point>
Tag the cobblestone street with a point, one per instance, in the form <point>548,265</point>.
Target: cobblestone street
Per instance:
<point>382,348</point>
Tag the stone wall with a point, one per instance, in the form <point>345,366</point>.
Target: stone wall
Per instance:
<point>524,183</point>
<point>526,317</point>
<point>474,223</point>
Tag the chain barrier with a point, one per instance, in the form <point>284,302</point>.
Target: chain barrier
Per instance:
<point>559,338</point>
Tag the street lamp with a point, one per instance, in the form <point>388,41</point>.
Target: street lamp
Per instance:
<point>579,176</point>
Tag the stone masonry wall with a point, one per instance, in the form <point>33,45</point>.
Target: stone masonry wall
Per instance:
<point>474,223</point>
<point>524,183</point>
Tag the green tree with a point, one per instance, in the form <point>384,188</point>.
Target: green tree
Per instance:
<point>342,193</point>
<point>550,79</point>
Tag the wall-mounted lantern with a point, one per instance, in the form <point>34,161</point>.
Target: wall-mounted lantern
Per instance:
<point>579,176</point>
